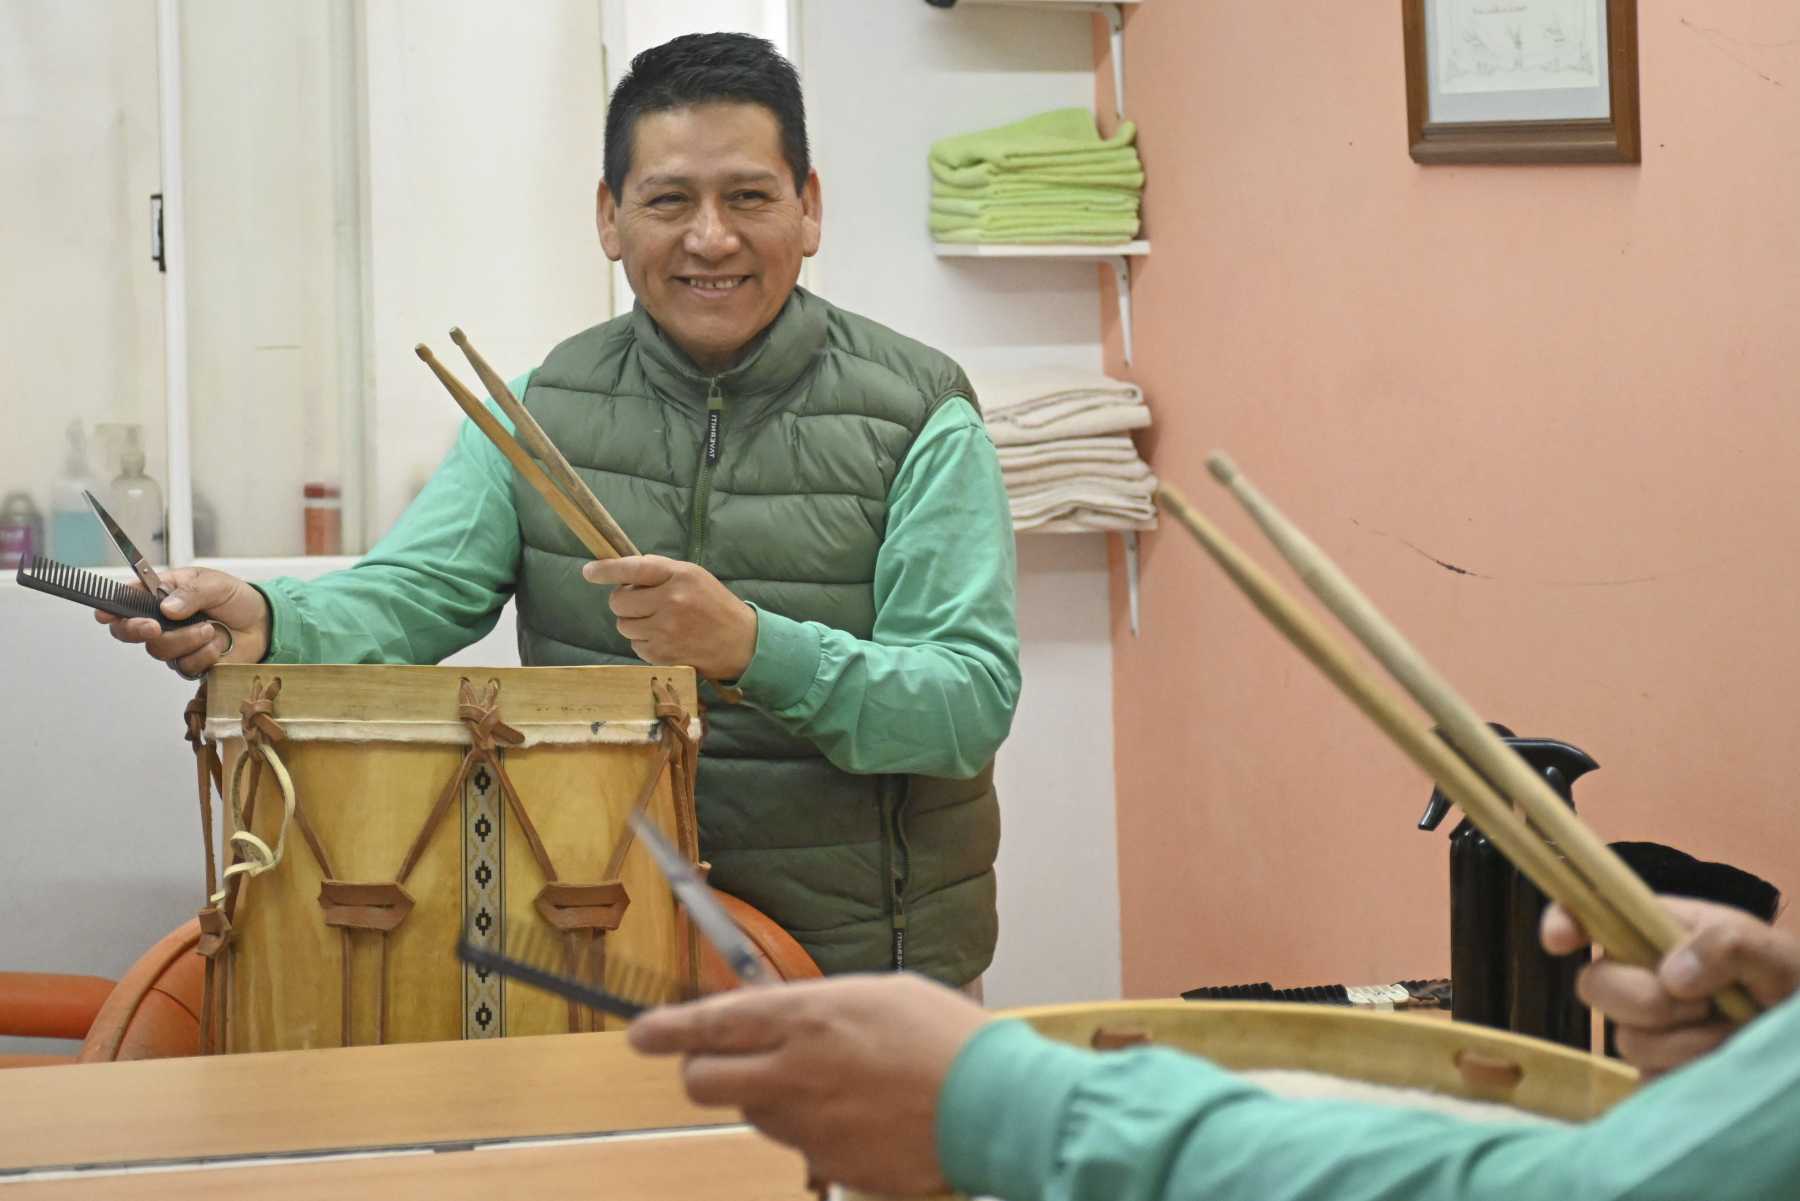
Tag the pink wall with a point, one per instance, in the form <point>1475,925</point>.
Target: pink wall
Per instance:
<point>1580,384</point>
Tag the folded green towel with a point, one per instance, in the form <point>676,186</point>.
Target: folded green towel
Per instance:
<point>1034,237</point>
<point>1122,173</point>
<point>1128,186</point>
<point>1061,199</point>
<point>1064,133</point>
<point>1051,224</point>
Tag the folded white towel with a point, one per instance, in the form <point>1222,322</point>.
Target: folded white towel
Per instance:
<point>1025,388</point>
<point>1136,471</point>
<point>1033,506</point>
<point>1075,420</point>
<point>1105,448</point>
<point>1083,521</point>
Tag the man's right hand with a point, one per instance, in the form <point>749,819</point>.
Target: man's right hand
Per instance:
<point>192,650</point>
<point>1665,1015</point>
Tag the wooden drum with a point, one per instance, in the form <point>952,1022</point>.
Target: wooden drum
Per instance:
<point>1380,1058</point>
<point>374,813</point>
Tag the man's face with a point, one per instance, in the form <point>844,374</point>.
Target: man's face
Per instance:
<point>709,226</point>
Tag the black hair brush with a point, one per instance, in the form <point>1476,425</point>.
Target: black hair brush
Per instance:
<point>95,591</point>
<point>541,960</point>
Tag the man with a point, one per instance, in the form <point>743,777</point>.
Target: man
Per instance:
<point>825,527</point>
<point>896,1086</point>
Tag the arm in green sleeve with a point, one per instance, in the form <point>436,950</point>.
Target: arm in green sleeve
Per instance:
<point>1022,1117</point>
<point>434,585</point>
<point>932,691</point>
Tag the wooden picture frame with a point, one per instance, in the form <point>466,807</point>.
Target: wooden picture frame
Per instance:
<point>1482,116</point>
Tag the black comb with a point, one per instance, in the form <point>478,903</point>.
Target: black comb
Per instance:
<point>539,959</point>
<point>1323,994</point>
<point>95,591</point>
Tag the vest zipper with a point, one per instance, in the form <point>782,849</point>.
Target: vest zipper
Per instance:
<point>896,865</point>
<point>709,459</point>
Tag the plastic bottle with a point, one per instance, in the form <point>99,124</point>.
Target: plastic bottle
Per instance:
<point>324,519</point>
<point>136,502</point>
<point>75,534</point>
<point>21,530</point>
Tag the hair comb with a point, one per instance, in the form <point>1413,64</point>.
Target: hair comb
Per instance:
<point>95,591</point>
<point>541,960</point>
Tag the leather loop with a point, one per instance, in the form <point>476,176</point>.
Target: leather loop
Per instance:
<point>1116,1038</point>
<point>352,906</point>
<point>583,906</point>
<point>1488,1072</point>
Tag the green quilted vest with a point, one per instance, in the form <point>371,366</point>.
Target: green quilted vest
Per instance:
<point>788,510</point>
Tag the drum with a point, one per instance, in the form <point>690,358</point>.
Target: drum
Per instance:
<point>1380,1058</point>
<point>373,814</point>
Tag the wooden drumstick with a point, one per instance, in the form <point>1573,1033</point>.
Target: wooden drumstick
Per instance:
<point>538,443</point>
<point>1616,885</point>
<point>1477,799</point>
<point>527,467</point>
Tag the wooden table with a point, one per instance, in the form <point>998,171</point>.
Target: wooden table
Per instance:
<point>666,1166</point>
<point>599,1115</point>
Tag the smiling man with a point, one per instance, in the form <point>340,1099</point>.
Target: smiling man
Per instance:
<point>830,541</point>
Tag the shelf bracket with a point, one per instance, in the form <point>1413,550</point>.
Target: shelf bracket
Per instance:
<point>1115,23</point>
<point>1121,269</point>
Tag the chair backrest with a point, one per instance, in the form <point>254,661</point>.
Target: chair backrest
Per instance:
<point>154,1011</point>
<point>778,949</point>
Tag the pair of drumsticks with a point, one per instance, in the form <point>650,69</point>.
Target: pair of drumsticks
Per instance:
<point>555,480</point>
<point>1494,787</point>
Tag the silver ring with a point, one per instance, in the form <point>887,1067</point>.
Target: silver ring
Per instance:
<point>230,639</point>
<point>184,675</point>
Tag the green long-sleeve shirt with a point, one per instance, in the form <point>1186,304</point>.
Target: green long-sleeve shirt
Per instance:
<point>931,692</point>
<point>1024,1118</point>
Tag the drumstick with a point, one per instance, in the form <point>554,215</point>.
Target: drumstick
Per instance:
<point>515,454</point>
<point>1614,883</point>
<point>538,443</point>
<point>1485,807</point>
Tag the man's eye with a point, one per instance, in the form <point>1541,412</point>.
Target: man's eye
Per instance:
<point>666,199</point>
<point>750,197</point>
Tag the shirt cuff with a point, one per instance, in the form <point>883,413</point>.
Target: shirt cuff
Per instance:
<point>1001,1113</point>
<point>285,625</point>
<point>784,664</point>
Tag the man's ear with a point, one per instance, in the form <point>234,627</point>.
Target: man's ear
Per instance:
<point>606,220</point>
<point>812,208</point>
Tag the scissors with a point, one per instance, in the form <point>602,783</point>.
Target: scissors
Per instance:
<point>703,906</point>
<point>134,558</point>
<point>146,574</point>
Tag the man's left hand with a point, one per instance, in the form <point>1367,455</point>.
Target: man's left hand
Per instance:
<point>847,1070</point>
<point>677,612</point>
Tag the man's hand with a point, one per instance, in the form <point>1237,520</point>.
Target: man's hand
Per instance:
<point>847,1070</point>
<point>1665,1016</point>
<point>676,612</point>
<point>192,650</point>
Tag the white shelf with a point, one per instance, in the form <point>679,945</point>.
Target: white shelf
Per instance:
<point>1048,250</point>
<point>1116,257</point>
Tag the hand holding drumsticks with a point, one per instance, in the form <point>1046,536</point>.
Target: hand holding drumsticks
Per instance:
<point>1581,873</point>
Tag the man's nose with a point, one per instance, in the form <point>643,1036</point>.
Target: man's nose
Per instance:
<point>712,235</point>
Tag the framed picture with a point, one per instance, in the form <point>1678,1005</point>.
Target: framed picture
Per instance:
<point>1521,81</point>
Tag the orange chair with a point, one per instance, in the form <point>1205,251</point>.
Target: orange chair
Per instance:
<point>152,1013</point>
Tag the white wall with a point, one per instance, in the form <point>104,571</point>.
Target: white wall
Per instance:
<point>260,166</point>
<point>485,129</point>
<point>470,225</point>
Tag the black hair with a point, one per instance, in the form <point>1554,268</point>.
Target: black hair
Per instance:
<point>707,68</point>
